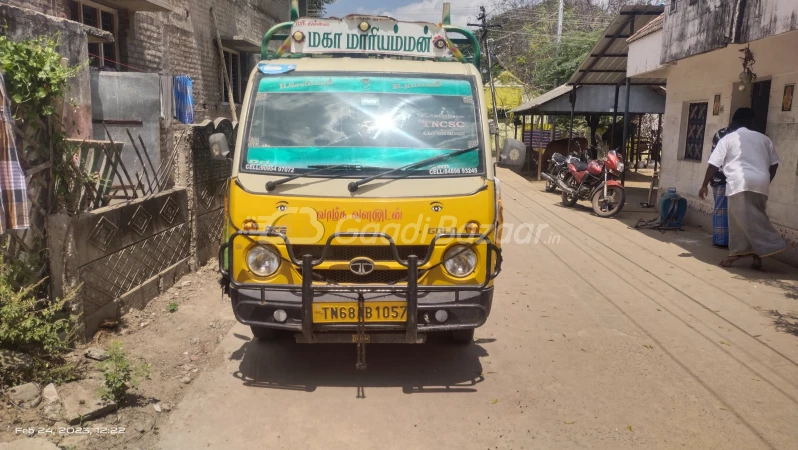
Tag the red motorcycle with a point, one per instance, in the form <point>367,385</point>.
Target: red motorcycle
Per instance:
<point>596,181</point>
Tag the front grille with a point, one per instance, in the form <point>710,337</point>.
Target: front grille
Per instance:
<point>350,252</point>
<point>347,277</point>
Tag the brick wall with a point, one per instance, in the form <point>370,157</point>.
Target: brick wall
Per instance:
<point>183,42</point>
<point>189,40</point>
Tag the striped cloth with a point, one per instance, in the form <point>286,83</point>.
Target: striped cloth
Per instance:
<point>184,99</point>
<point>539,139</point>
<point>13,191</point>
<point>720,216</point>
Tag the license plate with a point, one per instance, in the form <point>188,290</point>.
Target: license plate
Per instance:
<point>347,312</point>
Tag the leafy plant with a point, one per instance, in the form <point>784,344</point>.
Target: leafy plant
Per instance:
<point>35,77</point>
<point>37,327</point>
<point>172,307</point>
<point>120,374</point>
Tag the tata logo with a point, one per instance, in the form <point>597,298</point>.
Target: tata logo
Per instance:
<point>361,266</point>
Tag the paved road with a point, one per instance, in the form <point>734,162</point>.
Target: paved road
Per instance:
<point>609,338</point>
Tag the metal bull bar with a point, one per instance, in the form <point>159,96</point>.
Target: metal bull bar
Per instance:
<point>410,290</point>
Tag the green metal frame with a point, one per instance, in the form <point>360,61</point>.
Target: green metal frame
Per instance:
<point>272,35</point>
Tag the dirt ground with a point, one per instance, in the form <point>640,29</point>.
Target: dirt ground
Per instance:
<point>601,336</point>
<point>175,345</point>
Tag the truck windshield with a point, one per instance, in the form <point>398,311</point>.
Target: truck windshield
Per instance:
<point>376,122</point>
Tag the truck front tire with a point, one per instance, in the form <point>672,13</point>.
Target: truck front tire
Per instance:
<point>263,334</point>
<point>462,337</point>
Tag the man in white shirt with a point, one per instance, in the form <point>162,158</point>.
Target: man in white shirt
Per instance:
<point>749,162</point>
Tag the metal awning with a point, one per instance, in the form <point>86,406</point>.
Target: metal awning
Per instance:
<point>541,99</point>
<point>242,44</point>
<point>139,5</point>
<point>595,100</point>
<point>606,62</point>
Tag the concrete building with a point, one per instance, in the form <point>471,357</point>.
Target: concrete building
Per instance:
<point>135,47</point>
<point>701,45</point>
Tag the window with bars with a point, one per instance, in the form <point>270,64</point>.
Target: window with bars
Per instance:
<point>104,18</point>
<point>236,73</point>
<point>696,126</point>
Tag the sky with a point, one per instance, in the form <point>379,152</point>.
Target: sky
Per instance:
<point>463,11</point>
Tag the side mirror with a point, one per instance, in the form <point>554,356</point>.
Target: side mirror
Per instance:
<point>494,129</point>
<point>220,149</point>
<point>513,154</point>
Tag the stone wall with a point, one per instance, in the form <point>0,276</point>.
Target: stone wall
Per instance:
<point>122,256</point>
<point>56,8</point>
<point>209,180</point>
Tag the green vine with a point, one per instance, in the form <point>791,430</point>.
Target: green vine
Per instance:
<point>35,75</point>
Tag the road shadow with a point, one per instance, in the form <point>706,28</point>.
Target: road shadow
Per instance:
<point>432,367</point>
<point>786,323</point>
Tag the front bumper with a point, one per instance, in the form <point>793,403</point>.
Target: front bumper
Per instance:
<point>468,306</point>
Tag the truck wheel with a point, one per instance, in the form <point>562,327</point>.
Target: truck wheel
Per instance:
<point>263,333</point>
<point>463,337</point>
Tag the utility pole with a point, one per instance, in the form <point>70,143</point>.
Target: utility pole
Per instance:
<point>483,25</point>
<point>559,26</point>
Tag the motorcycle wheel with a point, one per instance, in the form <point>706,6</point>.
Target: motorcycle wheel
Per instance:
<point>550,187</point>
<point>568,199</point>
<point>610,205</point>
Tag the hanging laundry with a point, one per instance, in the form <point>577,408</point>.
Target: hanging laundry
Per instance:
<point>13,191</point>
<point>184,99</point>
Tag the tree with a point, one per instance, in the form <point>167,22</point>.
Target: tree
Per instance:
<point>318,7</point>
<point>526,45</point>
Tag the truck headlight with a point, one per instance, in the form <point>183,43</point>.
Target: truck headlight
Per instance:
<point>459,261</point>
<point>263,261</point>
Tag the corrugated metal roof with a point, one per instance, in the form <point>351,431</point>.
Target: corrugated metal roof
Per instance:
<point>606,63</point>
<point>537,101</point>
<point>597,100</point>
<point>651,27</point>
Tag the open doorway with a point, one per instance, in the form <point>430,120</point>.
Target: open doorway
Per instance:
<point>760,99</point>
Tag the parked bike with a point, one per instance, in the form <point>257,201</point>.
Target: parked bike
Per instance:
<point>596,181</point>
<point>558,168</point>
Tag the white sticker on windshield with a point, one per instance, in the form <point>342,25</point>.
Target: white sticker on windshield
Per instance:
<point>274,69</point>
<point>266,166</point>
<point>445,169</point>
<point>370,101</point>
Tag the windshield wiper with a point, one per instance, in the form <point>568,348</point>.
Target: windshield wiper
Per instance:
<point>319,168</point>
<point>353,186</point>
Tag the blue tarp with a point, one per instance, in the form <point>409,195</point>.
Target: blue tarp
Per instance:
<point>184,99</point>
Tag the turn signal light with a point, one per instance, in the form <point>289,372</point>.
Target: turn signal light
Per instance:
<point>472,227</point>
<point>249,225</point>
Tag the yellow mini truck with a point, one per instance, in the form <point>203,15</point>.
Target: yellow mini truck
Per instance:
<point>362,205</point>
